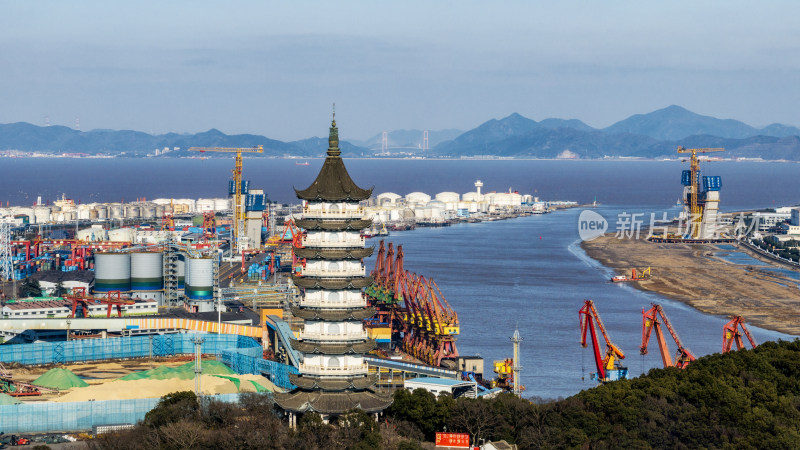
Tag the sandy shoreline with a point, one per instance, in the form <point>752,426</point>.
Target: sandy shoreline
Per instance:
<point>694,275</point>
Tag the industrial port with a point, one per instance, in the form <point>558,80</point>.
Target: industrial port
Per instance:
<point>223,296</point>
<point>127,295</point>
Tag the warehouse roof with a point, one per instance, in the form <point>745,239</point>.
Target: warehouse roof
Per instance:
<point>54,276</point>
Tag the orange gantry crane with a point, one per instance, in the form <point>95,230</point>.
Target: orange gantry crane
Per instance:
<point>731,334</point>
<point>238,201</point>
<point>415,308</point>
<point>608,367</point>
<point>650,321</point>
<point>695,209</point>
<point>112,299</point>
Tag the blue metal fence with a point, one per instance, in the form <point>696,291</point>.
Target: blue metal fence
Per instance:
<point>124,347</point>
<point>50,417</point>
<point>241,362</point>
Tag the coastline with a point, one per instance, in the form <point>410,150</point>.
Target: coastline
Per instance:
<point>697,276</point>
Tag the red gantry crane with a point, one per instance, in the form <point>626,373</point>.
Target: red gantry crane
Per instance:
<point>650,321</point>
<point>608,367</point>
<point>731,334</point>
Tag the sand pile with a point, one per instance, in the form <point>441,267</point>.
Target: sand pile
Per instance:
<point>155,388</point>
<point>59,379</point>
<point>184,372</point>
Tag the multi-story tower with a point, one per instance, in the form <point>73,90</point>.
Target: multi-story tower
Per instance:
<point>333,375</point>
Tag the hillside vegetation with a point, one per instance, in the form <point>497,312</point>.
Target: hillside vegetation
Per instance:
<point>743,399</point>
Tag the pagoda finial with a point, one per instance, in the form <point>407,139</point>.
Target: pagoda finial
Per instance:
<point>333,137</point>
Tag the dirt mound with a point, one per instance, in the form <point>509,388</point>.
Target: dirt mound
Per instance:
<point>155,388</point>
<point>59,379</point>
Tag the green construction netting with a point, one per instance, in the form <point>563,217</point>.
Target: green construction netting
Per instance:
<point>184,372</point>
<point>233,380</point>
<point>6,399</point>
<point>259,387</point>
<point>59,379</point>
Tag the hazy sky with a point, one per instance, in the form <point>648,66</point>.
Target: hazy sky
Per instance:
<point>274,68</point>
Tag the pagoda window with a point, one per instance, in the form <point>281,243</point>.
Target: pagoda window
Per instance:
<point>333,267</point>
<point>333,328</point>
<point>334,362</point>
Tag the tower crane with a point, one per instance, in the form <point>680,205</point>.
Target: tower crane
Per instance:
<point>608,367</point>
<point>731,334</point>
<point>694,206</point>
<point>650,321</point>
<point>238,202</point>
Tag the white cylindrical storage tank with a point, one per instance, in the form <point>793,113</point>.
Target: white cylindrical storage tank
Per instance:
<point>157,296</point>
<point>199,278</point>
<point>395,214</point>
<point>132,211</point>
<point>159,211</point>
<point>147,272</point>
<point>222,204</point>
<point>120,235</point>
<point>148,211</point>
<point>42,214</point>
<point>102,212</point>
<point>84,213</point>
<point>112,272</point>
<point>387,198</point>
<point>115,211</point>
<point>419,198</point>
<point>26,212</point>
<point>204,204</point>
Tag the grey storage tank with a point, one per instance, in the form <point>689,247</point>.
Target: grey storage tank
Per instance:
<point>112,272</point>
<point>199,278</point>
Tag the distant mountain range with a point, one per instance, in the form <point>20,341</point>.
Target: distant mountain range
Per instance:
<point>652,135</point>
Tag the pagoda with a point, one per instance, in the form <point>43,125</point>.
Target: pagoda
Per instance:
<point>333,375</point>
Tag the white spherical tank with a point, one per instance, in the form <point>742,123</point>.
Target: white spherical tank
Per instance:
<point>112,272</point>
<point>199,278</point>
<point>147,272</point>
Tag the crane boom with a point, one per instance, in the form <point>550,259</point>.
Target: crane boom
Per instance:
<point>731,334</point>
<point>650,321</point>
<point>238,202</point>
<point>607,366</point>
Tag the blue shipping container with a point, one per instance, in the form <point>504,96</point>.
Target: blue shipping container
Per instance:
<point>712,183</point>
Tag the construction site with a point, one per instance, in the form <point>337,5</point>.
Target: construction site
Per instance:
<point>238,301</point>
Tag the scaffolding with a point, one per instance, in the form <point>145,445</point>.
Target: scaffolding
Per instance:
<point>172,294</point>
<point>6,261</point>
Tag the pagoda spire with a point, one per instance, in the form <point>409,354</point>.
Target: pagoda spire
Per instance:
<point>333,137</point>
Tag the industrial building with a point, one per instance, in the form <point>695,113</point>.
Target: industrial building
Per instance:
<point>438,386</point>
<point>56,308</point>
